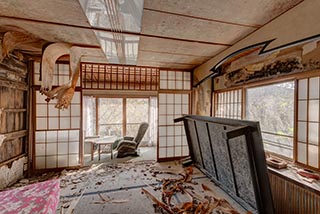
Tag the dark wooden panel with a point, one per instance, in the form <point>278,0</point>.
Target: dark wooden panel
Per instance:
<point>237,148</point>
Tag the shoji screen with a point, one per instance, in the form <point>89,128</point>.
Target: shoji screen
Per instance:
<point>57,132</point>
<point>308,122</point>
<point>172,138</point>
<point>174,100</point>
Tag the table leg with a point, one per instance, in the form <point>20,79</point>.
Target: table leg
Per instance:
<point>99,150</point>
<point>92,150</point>
<point>111,152</point>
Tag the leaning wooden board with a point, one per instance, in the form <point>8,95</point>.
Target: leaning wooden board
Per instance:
<point>231,153</point>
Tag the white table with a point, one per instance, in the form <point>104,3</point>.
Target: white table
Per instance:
<point>104,141</point>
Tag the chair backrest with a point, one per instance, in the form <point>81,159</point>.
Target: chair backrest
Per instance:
<point>141,132</point>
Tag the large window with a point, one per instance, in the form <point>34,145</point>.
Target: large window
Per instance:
<point>119,116</point>
<point>273,107</point>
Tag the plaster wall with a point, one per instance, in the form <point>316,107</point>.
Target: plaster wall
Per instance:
<point>9,175</point>
<point>296,24</point>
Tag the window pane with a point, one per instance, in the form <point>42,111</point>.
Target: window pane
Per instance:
<point>273,107</point>
<point>110,116</point>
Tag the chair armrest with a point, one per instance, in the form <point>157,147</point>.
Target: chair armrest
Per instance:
<point>128,138</point>
<point>127,143</point>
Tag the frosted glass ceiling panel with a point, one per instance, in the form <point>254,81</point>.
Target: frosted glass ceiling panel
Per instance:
<point>119,48</point>
<point>124,15</point>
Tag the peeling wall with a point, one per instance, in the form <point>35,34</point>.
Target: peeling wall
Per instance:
<point>9,175</point>
<point>298,23</point>
<point>202,99</point>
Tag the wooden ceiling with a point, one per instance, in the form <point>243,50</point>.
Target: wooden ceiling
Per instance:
<point>179,34</point>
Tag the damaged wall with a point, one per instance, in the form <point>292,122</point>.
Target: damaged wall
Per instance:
<point>202,99</point>
<point>11,174</point>
<point>13,119</point>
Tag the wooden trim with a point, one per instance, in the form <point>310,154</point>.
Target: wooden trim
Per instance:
<point>16,134</point>
<point>13,84</point>
<point>15,110</point>
<point>202,18</point>
<point>13,159</point>
<point>295,124</point>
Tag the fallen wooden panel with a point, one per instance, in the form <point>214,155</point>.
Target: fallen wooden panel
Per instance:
<point>231,153</point>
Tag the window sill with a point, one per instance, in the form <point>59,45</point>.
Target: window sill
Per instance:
<point>290,174</point>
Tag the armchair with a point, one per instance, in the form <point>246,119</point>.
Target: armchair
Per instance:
<point>128,145</point>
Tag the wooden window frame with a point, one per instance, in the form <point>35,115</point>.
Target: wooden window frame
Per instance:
<point>284,78</point>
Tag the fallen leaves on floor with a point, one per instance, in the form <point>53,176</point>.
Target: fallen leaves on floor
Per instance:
<point>196,204</point>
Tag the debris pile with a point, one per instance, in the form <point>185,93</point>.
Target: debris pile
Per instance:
<point>196,203</point>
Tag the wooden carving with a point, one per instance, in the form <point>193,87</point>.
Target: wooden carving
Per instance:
<point>65,92</point>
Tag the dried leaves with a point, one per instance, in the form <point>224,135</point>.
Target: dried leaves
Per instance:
<point>197,204</point>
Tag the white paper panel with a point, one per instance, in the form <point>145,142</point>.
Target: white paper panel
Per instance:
<point>75,110</point>
<point>162,98</point>
<point>177,109</point>
<point>40,149</point>
<point>54,123</point>
<point>163,75</point>
<point>179,85</point>
<point>314,110</point>
<point>302,131</point>
<point>41,110</point>
<point>51,161</point>
<point>170,120</point>
<point>179,75</point>
<point>51,149</point>
<point>40,162</point>
<point>302,110</point>
<point>162,141</point>
<point>74,135</point>
<point>40,137</point>
<point>65,112</point>
<point>185,99</point>
<point>187,85</point>
<point>177,141</point>
<point>62,148</point>
<point>178,130</point>
<point>313,133</point>
<point>170,131</point>
<point>65,123</point>
<point>170,99</point>
<point>162,152</point>
<point>75,122</point>
<point>185,151</point>
<point>162,120</point>
<point>170,109</point>
<point>163,84</point>
<point>171,84</point>
<point>187,76</point>
<point>170,152</point>
<point>178,151</point>
<point>74,147</point>
<point>53,112</point>
<point>171,75</point>
<point>302,153</point>
<point>314,88</point>
<point>313,156</point>
<point>177,98</point>
<point>62,160</point>
<point>41,123</point>
<point>170,141</point>
<point>162,131</point>
<point>52,136</point>
<point>63,136</point>
<point>302,89</point>
<point>162,109</point>
<point>73,160</point>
